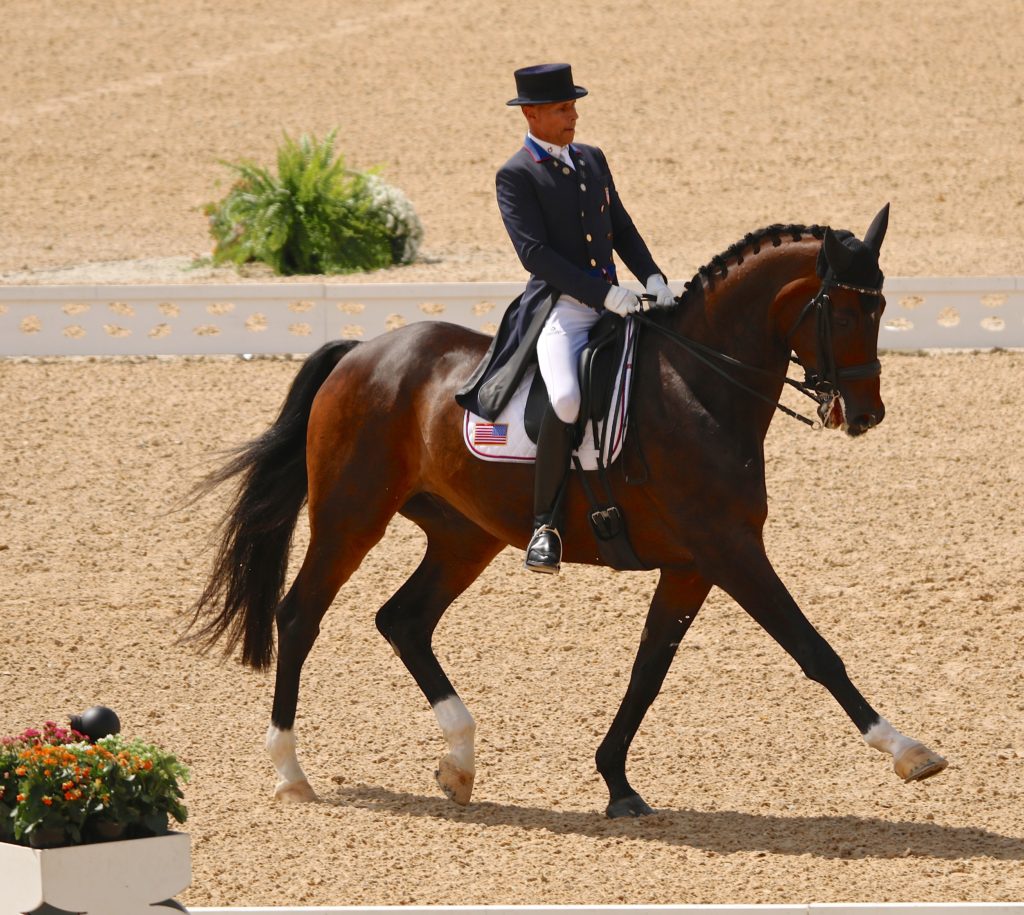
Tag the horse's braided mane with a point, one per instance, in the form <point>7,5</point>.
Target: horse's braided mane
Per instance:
<point>718,266</point>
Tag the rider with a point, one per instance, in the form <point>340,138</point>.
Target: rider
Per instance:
<point>561,210</point>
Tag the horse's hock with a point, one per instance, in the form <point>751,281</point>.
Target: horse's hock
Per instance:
<point>922,313</point>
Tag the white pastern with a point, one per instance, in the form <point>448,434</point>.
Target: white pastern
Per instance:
<point>459,731</point>
<point>883,736</point>
<point>281,747</point>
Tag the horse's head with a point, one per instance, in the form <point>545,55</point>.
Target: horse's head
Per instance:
<point>836,334</point>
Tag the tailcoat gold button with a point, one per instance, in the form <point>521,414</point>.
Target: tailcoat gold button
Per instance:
<point>566,170</point>
<point>593,263</point>
<point>590,237</point>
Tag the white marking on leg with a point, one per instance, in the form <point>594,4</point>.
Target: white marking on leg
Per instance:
<point>459,731</point>
<point>281,747</point>
<point>883,736</point>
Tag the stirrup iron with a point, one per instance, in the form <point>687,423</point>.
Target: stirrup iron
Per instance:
<point>538,566</point>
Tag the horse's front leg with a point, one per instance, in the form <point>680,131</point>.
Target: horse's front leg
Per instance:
<point>677,599</point>
<point>748,577</point>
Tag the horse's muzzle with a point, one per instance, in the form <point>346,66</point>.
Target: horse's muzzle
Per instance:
<point>860,424</point>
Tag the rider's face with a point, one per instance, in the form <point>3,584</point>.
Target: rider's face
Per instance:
<point>553,123</point>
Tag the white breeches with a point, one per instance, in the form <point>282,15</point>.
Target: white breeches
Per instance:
<point>558,353</point>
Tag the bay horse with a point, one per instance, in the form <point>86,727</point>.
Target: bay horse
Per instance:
<point>371,429</point>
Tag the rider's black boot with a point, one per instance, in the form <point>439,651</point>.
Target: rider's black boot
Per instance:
<point>554,448</point>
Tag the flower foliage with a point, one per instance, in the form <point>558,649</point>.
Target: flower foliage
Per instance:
<point>57,788</point>
<point>314,216</point>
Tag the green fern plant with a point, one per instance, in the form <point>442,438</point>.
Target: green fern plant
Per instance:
<point>314,216</point>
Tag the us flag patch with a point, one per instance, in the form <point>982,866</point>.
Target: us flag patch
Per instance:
<point>490,434</point>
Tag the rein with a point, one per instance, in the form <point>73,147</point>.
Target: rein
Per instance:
<point>820,385</point>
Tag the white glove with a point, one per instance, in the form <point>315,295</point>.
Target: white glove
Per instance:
<point>621,301</point>
<point>656,286</point>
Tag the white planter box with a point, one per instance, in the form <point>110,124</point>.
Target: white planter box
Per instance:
<point>106,878</point>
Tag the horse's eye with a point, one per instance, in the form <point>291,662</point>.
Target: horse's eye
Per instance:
<point>844,321</point>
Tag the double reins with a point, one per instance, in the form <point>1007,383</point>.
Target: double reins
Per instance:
<point>820,384</point>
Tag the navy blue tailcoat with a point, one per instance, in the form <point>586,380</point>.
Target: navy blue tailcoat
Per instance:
<point>564,225</point>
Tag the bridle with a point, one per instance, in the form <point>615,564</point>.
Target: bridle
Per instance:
<point>821,382</point>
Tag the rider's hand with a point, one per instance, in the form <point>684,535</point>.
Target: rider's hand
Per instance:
<point>621,301</point>
<point>656,286</point>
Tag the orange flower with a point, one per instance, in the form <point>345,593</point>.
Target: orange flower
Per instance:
<point>47,800</point>
<point>20,798</point>
<point>21,770</point>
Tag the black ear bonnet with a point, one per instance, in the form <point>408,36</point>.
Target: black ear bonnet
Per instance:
<point>863,269</point>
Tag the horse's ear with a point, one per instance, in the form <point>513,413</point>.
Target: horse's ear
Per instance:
<point>876,231</point>
<point>839,257</point>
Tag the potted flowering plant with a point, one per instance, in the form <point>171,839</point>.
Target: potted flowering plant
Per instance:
<point>66,796</point>
<point>58,788</point>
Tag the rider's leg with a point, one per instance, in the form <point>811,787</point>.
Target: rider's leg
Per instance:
<point>554,446</point>
<point>558,349</point>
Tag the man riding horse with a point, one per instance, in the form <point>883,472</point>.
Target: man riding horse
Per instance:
<point>560,207</point>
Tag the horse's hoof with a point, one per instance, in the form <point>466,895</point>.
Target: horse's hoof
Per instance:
<point>917,763</point>
<point>456,783</point>
<point>631,806</point>
<point>300,792</point>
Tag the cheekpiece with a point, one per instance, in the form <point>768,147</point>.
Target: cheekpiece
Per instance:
<point>544,84</point>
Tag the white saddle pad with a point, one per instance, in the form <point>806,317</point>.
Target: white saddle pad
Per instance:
<point>506,440</point>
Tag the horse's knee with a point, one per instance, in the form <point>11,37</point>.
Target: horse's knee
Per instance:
<point>820,663</point>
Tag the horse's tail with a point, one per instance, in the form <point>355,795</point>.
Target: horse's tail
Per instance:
<point>249,571</point>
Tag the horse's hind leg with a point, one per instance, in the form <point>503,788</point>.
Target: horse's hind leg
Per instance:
<point>750,580</point>
<point>678,597</point>
<point>344,528</point>
<point>457,552</point>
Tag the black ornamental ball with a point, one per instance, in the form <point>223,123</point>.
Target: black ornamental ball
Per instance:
<point>96,722</point>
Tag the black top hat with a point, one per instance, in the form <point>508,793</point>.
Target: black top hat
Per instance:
<point>544,84</point>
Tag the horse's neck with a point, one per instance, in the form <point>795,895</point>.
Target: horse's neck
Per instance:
<point>742,315</point>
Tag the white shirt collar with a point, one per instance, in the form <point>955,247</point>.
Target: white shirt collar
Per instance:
<point>557,152</point>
